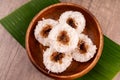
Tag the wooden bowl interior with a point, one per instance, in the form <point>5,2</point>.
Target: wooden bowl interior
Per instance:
<point>36,49</point>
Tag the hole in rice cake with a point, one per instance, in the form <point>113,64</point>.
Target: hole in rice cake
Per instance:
<point>82,47</point>
<point>63,37</point>
<point>71,22</point>
<point>57,57</point>
<point>45,31</point>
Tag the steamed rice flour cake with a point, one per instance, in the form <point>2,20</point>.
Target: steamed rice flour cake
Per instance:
<point>73,18</point>
<point>85,49</point>
<point>43,29</point>
<point>55,61</point>
<point>63,38</point>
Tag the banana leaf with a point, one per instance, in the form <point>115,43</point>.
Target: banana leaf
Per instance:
<point>109,63</point>
<point>17,22</point>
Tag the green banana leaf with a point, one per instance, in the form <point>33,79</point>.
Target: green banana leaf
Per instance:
<point>17,22</point>
<point>109,63</point>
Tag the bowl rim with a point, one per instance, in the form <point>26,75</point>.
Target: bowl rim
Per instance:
<point>99,52</point>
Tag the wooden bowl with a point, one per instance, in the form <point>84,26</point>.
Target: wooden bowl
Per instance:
<point>92,29</point>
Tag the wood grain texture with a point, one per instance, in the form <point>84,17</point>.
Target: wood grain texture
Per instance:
<point>14,62</point>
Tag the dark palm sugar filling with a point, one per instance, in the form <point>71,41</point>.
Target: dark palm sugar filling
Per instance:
<point>57,57</point>
<point>45,31</point>
<point>63,38</point>
<point>71,22</point>
<point>82,47</point>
